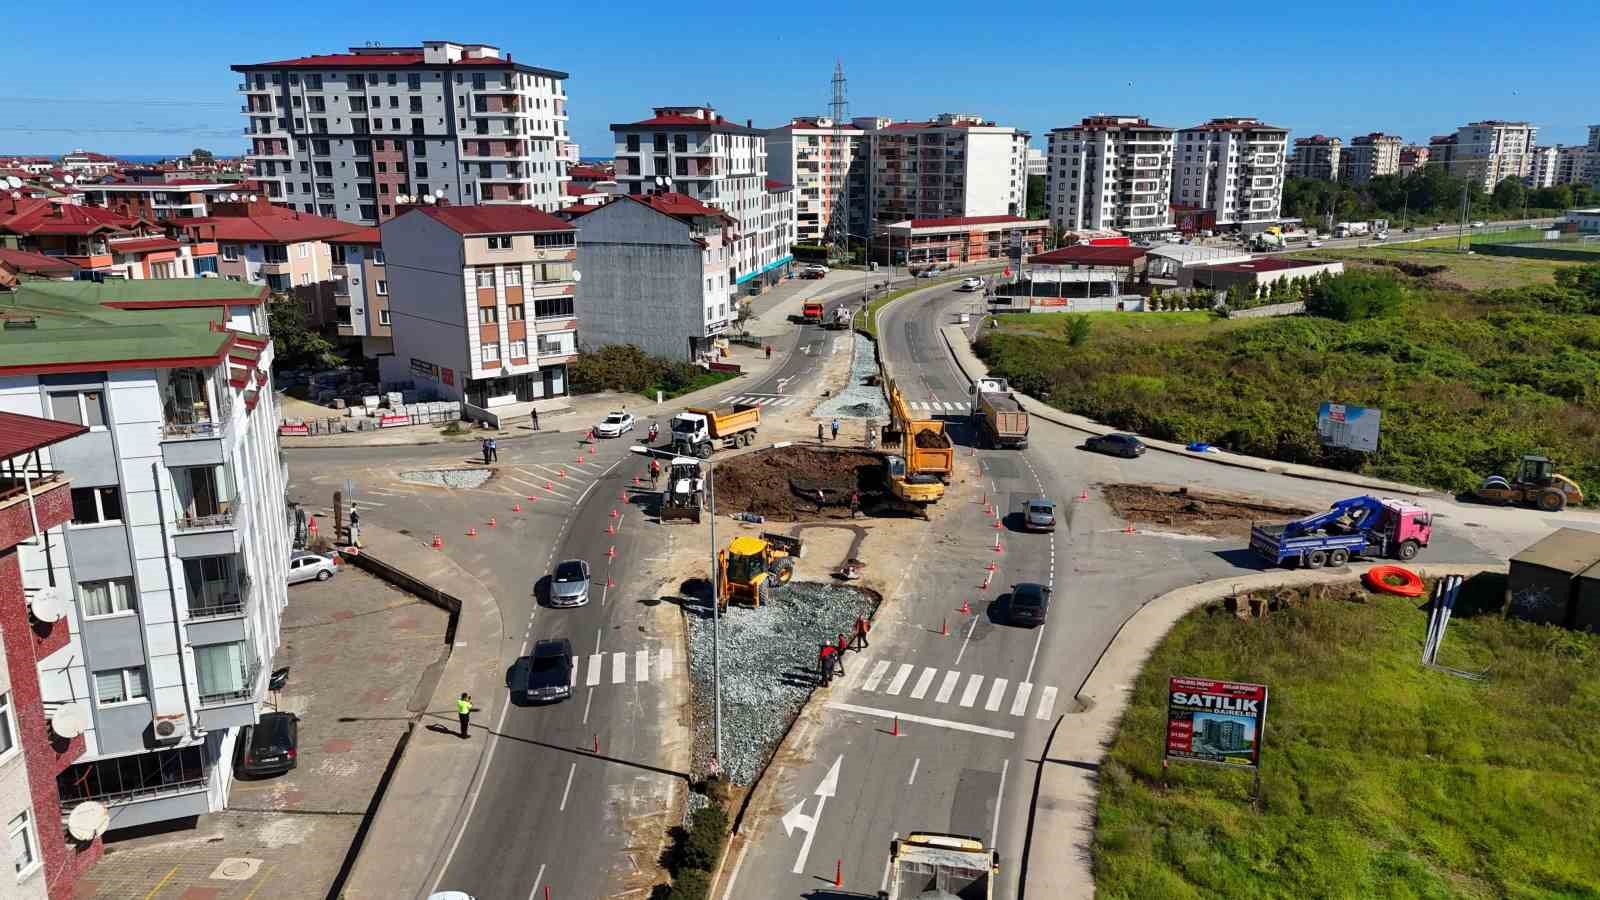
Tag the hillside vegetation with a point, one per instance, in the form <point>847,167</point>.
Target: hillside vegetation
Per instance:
<point>1467,382</point>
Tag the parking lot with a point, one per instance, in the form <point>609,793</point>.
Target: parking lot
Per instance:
<point>357,650</point>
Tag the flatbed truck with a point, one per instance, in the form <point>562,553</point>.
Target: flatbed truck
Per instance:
<point>1358,526</point>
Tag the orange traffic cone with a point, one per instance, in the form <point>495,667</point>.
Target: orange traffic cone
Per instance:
<point>491,522</point>
<point>896,731</point>
<point>613,512</point>
<point>611,529</point>
<point>610,583</point>
<point>473,531</point>
<point>1129,529</point>
<point>563,472</point>
<point>966,608</point>
<point>438,542</point>
<point>516,507</point>
<point>1083,495</point>
<point>944,626</point>
<point>611,551</point>
<point>548,486</point>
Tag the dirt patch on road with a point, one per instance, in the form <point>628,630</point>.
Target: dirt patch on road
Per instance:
<point>1188,511</point>
<point>783,483</point>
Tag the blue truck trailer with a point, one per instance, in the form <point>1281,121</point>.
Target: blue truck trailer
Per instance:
<point>1358,526</point>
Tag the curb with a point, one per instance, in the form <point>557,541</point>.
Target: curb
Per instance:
<point>1234,461</point>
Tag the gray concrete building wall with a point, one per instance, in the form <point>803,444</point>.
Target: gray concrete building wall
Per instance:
<point>642,281</point>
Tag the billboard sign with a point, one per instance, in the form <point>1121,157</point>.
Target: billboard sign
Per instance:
<point>1215,721</point>
<point>1352,427</point>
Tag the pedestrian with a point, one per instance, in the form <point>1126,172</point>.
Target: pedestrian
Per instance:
<point>655,471</point>
<point>819,432</point>
<point>855,504</point>
<point>769,351</point>
<point>494,449</point>
<point>821,499</point>
<point>484,445</point>
<point>825,664</point>
<point>464,710</point>
<point>835,426</point>
<point>843,645</point>
<point>862,627</point>
<point>536,420</point>
<point>355,526</point>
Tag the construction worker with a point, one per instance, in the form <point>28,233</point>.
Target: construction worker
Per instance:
<point>835,427</point>
<point>655,471</point>
<point>819,432</point>
<point>769,351</point>
<point>355,526</point>
<point>825,664</point>
<point>843,644</point>
<point>464,709</point>
<point>838,654</point>
<point>862,627</point>
<point>484,446</point>
<point>855,504</point>
<point>494,449</point>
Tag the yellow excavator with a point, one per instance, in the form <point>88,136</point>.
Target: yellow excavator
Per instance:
<point>921,466</point>
<point>752,567</point>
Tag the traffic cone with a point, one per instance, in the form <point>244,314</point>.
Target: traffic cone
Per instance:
<point>622,497</point>
<point>1083,495</point>
<point>838,874</point>
<point>896,731</point>
<point>611,529</point>
<point>491,522</point>
<point>997,544</point>
<point>613,512</point>
<point>548,486</point>
<point>610,583</point>
<point>438,542</point>
<point>944,626</point>
<point>1129,529</point>
<point>997,525</point>
<point>991,567</point>
<point>472,531</point>
<point>635,481</point>
<point>611,551</point>
<point>597,744</point>
<point>966,608</point>
<point>580,459</point>
<point>517,506</point>
<point>563,472</point>
<point>532,498</point>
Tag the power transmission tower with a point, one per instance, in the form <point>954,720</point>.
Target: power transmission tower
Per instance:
<point>839,215</point>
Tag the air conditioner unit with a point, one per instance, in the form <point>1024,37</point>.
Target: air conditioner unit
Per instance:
<point>169,728</point>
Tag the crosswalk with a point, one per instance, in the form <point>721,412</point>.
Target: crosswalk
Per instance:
<point>939,406</point>
<point>621,667</point>
<point>764,400</point>
<point>964,689</point>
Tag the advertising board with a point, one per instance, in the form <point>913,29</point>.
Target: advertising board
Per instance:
<point>1215,721</point>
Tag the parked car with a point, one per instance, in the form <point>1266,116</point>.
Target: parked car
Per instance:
<point>1116,444</point>
<point>549,672</point>
<point>270,746</point>
<point>1315,244</point>
<point>307,566</point>
<point>569,583</point>
<point>615,424</point>
<point>1040,514</point>
<point>1030,604</point>
<point>811,273</point>
<point>928,273</point>
<point>451,895</point>
<point>971,284</point>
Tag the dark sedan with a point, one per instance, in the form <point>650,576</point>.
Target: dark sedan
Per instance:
<point>549,672</point>
<point>269,747</point>
<point>1030,604</point>
<point>1126,445</point>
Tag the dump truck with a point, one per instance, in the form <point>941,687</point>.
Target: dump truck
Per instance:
<point>811,312</point>
<point>752,567</point>
<point>999,419</point>
<point>698,431</point>
<point>927,864</point>
<point>685,490</point>
<point>840,319</point>
<point>1357,526</point>
<point>1535,484</point>
<point>926,447</point>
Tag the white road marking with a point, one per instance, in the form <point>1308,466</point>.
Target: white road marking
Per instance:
<point>947,687</point>
<point>536,879</point>
<point>641,665</point>
<point>883,886</point>
<point>997,692</point>
<point>999,795</point>
<point>1019,703</point>
<point>586,703</point>
<point>596,661</point>
<point>577,661</point>
<point>619,668</point>
<point>924,681</point>
<point>568,789</point>
<point>899,679</point>
<point>925,720</point>
<point>969,696</point>
<point>1035,657</point>
<point>963,651</point>
<point>914,765</point>
<point>878,672</point>
<point>1047,702</point>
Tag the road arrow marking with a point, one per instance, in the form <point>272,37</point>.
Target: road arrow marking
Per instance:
<point>795,818</point>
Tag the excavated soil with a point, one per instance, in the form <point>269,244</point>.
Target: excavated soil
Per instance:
<point>1194,512</point>
<point>782,483</point>
<point>933,440</point>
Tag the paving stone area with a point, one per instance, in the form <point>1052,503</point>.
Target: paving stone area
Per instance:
<point>356,649</point>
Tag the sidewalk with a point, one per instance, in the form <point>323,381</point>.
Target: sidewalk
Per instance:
<point>973,368</point>
<point>429,793</point>
<point>1064,803</point>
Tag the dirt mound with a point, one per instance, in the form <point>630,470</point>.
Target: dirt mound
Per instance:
<point>933,440</point>
<point>1194,512</point>
<point>783,483</point>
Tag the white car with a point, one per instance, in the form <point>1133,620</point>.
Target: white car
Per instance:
<point>1477,224</point>
<point>1315,244</point>
<point>306,566</point>
<point>615,424</point>
<point>971,284</point>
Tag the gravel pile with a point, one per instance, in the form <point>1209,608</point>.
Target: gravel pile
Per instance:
<point>450,478</point>
<point>769,658</point>
<point>859,400</point>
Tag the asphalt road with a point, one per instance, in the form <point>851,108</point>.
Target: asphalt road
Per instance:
<point>976,706</point>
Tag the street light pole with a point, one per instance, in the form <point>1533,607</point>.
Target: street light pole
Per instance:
<point>716,618</point>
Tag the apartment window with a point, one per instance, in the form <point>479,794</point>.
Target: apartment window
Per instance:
<point>513,276</point>
<point>319,148</point>
<point>552,307</point>
<point>364,170</point>
<point>23,845</point>
<point>422,187</point>
<point>382,288</point>
<point>416,105</point>
<point>486,278</point>
<point>377,257</point>
<point>383,316</point>
<point>220,670</point>
<point>79,407</point>
<point>519,349</point>
<point>418,148</point>
<point>680,143</point>
<point>488,315</point>
<point>633,143</point>
<point>394,124</point>
<point>414,81</point>
<point>514,311</point>
<point>121,685</point>
<point>491,353</point>
<point>314,82</point>
<point>8,727</point>
<point>661,143</point>
<point>501,242</point>
<point>477,81</point>
<point>416,124</point>
<point>357,80</point>
<point>106,598</point>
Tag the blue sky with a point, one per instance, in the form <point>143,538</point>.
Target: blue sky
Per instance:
<point>155,78</point>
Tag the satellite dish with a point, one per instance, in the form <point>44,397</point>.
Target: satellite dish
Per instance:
<point>252,198</point>
<point>233,197</point>
<point>576,275</point>
<point>88,820</point>
<point>67,178</point>
<point>46,605</point>
<point>660,181</point>
<point>428,198</point>
<point>14,181</point>
<point>16,195</point>
<point>69,720</point>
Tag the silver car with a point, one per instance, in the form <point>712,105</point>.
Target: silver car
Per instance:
<point>1040,514</point>
<point>569,583</point>
<point>306,566</point>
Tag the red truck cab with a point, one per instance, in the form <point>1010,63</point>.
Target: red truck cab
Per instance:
<point>811,311</point>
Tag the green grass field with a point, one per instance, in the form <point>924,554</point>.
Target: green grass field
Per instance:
<point>1380,778</point>
<point>1470,272</point>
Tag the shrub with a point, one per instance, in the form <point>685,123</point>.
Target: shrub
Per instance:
<point>702,846</point>
<point>1356,295</point>
<point>690,884</point>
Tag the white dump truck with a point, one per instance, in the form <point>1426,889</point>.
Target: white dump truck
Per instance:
<point>926,865</point>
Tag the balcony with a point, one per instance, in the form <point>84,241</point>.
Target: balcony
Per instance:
<point>205,526</point>
<point>51,494</point>
<point>142,787</point>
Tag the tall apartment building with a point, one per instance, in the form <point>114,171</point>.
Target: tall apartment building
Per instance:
<point>954,165</point>
<point>347,135</point>
<point>1412,158</point>
<point>1369,155</point>
<point>1572,161</point>
<point>157,584</point>
<point>1487,151</point>
<point>1230,170</point>
<point>1110,172</point>
<point>1316,157</point>
<point>708,158</point>
<point>483,306</point>
<point>1542,172</point>
<point>1591,158</point>
<point>827,163</point>
<point>1034,162</point>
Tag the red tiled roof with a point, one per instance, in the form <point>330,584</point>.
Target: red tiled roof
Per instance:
<point>334,60</point>
<point>28,262</point>
<point>577,209</point>
<point>679,121</point>
<point>591,173</point>
<point>964,220</point>
<point>143,245</point>
<point>1267,264</point>
<point>21,434</point>
<point>262,223</point>
<point>493,219</point>
<point>579,190</point>
<point>31,216</point>
<point>367,234</point>
<point>1082,255</point>
<point>672,203</point>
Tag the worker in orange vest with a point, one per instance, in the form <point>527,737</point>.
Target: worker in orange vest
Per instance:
<point>862,627</point>
<point>826,659</point>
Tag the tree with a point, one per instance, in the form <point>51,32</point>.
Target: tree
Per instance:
<point>293,343</point>
<point>1509,194</point>
<point>1036,198</point>
<point>1078,328</point>
<point>1356,295</point>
